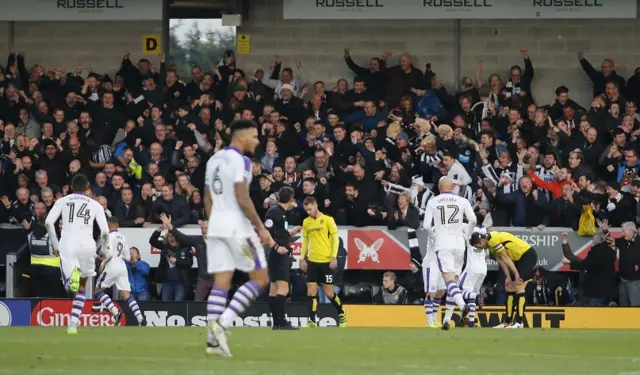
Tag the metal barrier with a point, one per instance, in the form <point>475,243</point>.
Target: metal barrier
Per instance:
<point>10,276</point>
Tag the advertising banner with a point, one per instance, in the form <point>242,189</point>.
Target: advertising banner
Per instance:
<point>81,10</point>
<point>377,248</point>
<point>55,313</point>
<point>14,312</point>
<point>457,9</point>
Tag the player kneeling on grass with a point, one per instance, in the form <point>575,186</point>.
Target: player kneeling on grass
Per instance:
<point>516,258</point>
<point>77,248</point>
<point>318,258</point>
<point>113,270</point>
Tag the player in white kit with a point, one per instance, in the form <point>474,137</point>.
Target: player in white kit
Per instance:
<point>434,286</point>
<point>77,247</point>
<point>113,271</point>
<point>232,243</point>
<point>475,271</point>
<point>444,219</point>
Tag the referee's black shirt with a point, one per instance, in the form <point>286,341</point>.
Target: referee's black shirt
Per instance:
<point>279,222</point>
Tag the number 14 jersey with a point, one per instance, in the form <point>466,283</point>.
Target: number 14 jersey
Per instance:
<point>77,213</point>
<point>444,218</point>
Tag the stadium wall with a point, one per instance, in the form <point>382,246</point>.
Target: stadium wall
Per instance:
<point>55,313</point>
<point>552,44</point>
<point>65,44</point>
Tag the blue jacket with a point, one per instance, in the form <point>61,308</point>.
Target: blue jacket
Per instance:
<point>520,215</point>
<point>429,105</point>
<point>138,277</point>
<point>368,122</point>
<point>622,166</point>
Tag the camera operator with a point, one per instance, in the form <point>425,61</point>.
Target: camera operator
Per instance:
<point>599,286</point>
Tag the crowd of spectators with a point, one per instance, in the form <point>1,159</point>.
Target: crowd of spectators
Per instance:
<point>369,147</point>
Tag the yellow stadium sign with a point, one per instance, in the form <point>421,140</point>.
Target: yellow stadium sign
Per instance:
<point>243,44</point>
<point>536,317</point>
<point>151,44</point>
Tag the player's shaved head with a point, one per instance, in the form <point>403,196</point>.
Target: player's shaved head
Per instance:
<point>445,185</point>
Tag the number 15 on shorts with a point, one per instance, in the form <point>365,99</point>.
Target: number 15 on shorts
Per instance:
<point>328,279</point>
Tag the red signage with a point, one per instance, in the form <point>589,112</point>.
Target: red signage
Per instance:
<point>57,313</point>
<point>375,250</point>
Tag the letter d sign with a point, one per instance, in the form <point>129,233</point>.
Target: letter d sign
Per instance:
<point>151,44</point>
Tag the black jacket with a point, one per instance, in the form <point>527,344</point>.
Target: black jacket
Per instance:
<point>375,81</point>
<point>600,276</point>
<point>178,208</point>
<point>411,219</point>
<point>629,258</point>
<point>199,244</point>
<point>599,80</point>
<point>128,215</point>
<point>164,272</point>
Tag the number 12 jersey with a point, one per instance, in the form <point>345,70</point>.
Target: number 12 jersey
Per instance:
<point>444,218</point>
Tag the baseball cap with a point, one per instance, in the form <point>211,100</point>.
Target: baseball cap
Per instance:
<point>615,185</point>
<point>404,136</point>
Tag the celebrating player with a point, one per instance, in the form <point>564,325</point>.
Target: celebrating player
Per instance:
<point>114,271</point>
<point>77,247</point>
<point>475,270</point>
<point>516,258</point>
<point>434,286</point>
<point>443,219</point>
<point>232,242</point>
<point>278,218</point>
<point>318,258</point>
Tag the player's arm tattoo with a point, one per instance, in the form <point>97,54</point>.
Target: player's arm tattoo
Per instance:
<point>246,204</point>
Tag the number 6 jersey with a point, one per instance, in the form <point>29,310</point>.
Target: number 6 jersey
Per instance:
<point>224,169</point>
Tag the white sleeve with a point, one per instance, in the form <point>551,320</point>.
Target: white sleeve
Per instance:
<point>107,248</point>
<point>50,222</point>
<point>126,253</point>
<point>428,218</point>
<point>241,169</point>
<point>208,173</point>
<point>471,217</point>
<point>465,178</point>
<point>101,219</point>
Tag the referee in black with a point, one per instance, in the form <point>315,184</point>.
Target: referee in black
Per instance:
<point>282,222</point>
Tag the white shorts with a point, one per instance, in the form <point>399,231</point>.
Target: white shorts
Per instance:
<point>472,281</point>
<point>114,274</point>
<point>77,254</point>
<point>433,280</point>
<point>450,260</point>
<point>230,253</point>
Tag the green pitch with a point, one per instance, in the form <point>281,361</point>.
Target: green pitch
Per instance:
<point>158,351</point>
